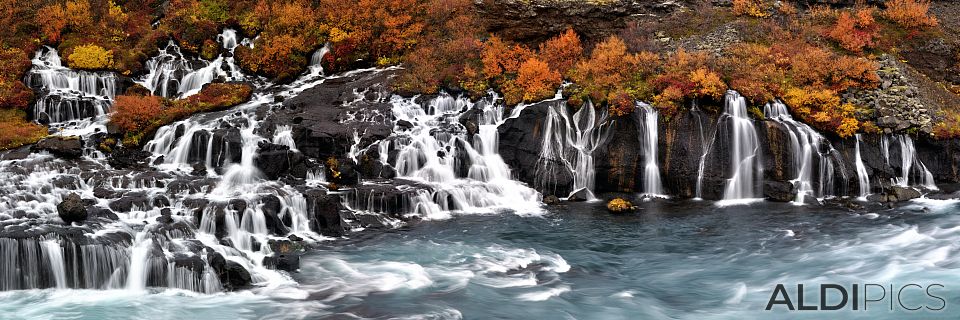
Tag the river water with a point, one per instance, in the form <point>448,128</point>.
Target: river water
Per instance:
<point>670,260</point>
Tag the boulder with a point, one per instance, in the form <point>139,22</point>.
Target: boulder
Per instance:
<point>779,191</point>
<point>551,200</point>
<point>325,211</point>
<point>71,209</point>
<point>620,205</point>
<point>898,194</point>
<point>581,194</point>
<point>64,147</point>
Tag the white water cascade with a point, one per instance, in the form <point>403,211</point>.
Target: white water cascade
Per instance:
<point>863,177</point>
<point>53,252</point>
<point>744,150</point>
<point>570,142</point>
<point>814,158</point>
<point>646,120</point>
<point>464,175</point>
<point>171,75</point>
<point>69,95</point>
<point>912,170</point>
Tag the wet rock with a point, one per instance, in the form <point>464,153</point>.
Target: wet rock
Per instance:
<point>128,201</point>
<point>94,212</point>
<point>71,209</point>
<point>161,201</point>
<point>620,205</point>
<point>898,194</point>
<point>129,158</point>
<point>581,194</point>
<point>105,193</point>
<point>232,275</point>
<point>273,160</point>
<point>271,206</point>
<point>551,200</point>
<point>66,182</point>
<point>779,191</point>
<point>325,211</point>
<point>520,143</point>
<point>199,169</point>
<point>64,147</point>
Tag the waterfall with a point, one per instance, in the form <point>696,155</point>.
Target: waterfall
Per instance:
<point>912,170</point>
<point>244,173</point>
<point>53,252</point>
<point>171,75</point>
<point>465,175</point>
<point>705,147</point>
<point>646,119</point>
<point>862,176</point>
<point>813,156</point>
<point>570,142</point>
<point>744,150</point>
<point>67,94</point>
<point>139,268</point>
<point>284,137</point>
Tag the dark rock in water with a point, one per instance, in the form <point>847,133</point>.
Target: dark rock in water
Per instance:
<point>294,237</point>
<point>128,201</point>
<point>581,194</point>
<point>779,191</point>
<point>43,119</point>
<point>551,200</point>
<point>105,193</point>
<point>235,275</point>
<point>129,158</point>
<point>161,201</point>
<point>271,206</point>
<point>343,171</point>
<point>285,262</point>
<point>470,120</point>
<point>325,210</point>
<point>71,209</point>
<point>372,167</point>
<point>66,182</point>
<point>238,205</point>
<point>64,147</point>
<point>199,169</point>
<point>520,143</point>
<point>898,194</point>
<point>323,119</point>
<point>273,160</point>
<point>404,125</point>
<point>104,213</point>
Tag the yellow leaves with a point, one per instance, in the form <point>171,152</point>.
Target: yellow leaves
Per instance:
<point>90,57</point>
<point>708,83</point>
<point>753,8</point>
<point>821,108</point>
<point>78,13</point>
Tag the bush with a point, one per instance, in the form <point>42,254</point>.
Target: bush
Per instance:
<point>562,52</point>
<point>16,132</point>
<point>139,116</point>
<point>821,109</point>
<point>753,8</point>
<point>608,72</point>
<point>855,32</point>
<point>90,57</point>
<point>535,81</point>
<point>910,13</point>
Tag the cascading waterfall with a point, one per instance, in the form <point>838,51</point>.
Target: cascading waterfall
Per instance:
<point>570,142</point>
<point>744,150</point>
<point>68,94</point>
<point>171,75</point>
<point>814,158</point>
<point>862,177</point>
<point>705,146</point>
<point>464,176</point>
<point>912,170</point>
<point>53,252</point>
<point>647,125</point>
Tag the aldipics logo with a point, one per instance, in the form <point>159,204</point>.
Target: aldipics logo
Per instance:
<point>860,297</point>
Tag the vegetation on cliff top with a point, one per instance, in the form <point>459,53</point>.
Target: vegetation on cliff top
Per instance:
<point>807,58</point>
<point>139,116</point>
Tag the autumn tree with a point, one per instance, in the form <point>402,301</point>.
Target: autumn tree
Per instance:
<point>562,52</point>
<point>910,13</point>
<point>535,81</point>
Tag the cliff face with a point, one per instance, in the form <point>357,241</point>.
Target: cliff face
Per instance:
<point>694,149</point>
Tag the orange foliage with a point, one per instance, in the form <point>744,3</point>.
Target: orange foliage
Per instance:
<point>13,93</point>
<point>139,116</point>
<point>16,132</point>
<point>855,32</point>
<point>282,57</point>
<point>822,110</point>
<point>910,13</point>
<point>501,58</point>
<point>562,52</point>
<point>52,19</point>
<point>607,72</point>
<point>535,81</point>
<point>686,75</point>
<point>134,113</point>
